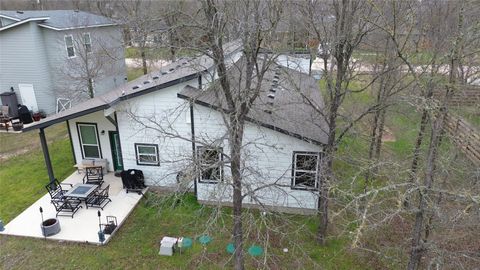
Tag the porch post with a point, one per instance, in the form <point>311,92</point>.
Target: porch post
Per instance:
<point>46,155</point>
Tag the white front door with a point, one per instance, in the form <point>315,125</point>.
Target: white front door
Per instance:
<point>28,96</point>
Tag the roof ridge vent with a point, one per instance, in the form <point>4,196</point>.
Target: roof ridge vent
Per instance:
<point>136,87</point>
<point>146,82</point>
<point>19,12</point>
<point>271,95</point>
<point>155,77</point>
<point>164,72</point>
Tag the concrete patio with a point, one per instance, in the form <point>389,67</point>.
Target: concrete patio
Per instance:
<point>83,227</point>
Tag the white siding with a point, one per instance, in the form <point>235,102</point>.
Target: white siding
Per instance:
<point>164,117</point>
<point>268,159</point>
<point>102,124</point>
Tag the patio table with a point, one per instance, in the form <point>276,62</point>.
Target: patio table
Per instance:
<point>81,191</point>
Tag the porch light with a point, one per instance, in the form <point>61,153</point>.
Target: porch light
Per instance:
<point>103,132</point>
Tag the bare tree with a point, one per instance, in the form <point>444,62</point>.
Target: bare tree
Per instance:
<point>239,102</point>
<point>339,25</point>
<point>141,20</point>
<point>89,59</point>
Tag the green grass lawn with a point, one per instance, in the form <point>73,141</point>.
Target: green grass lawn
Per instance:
<point>136,244</point>
<point>133,73</point>
<point>157,53</point>
<point>13,142</point>
<point>23,178</point>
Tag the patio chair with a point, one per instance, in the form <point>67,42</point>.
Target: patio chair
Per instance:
<point>67,207</point>
<point>4,117</point>
<point>99,199</point>
<point>56,191</point>
<point>93,175</point>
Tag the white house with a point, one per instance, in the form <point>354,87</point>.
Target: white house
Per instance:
<point>169,124</point>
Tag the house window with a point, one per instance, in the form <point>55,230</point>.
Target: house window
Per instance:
<point>210,164</point>
<point>305,170</point>
<point>87,41</point>
<point>147,154</point>
<point>89,141</point>
<point>69,46</point>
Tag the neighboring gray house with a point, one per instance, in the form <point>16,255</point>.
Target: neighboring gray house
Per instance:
<point>53,57</point>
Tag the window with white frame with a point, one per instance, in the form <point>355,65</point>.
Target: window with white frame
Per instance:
<point>210,164</point>
<point>147,154</point>
<point>89,142</point>
<point>305,170</point>
<point>70,46</point>
<point>87,41</point>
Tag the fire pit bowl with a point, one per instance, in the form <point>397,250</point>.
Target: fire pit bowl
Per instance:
<point>50,227</point>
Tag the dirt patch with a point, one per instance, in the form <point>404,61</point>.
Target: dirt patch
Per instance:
<point>5,156</point>
<point>388,135</point>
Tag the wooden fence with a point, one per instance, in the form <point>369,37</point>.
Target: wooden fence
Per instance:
<point>467,95</point>
<point>466,137</point>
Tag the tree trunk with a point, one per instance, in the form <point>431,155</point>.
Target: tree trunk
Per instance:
<point>327,169</point>
<point>173,53</point>
<point>418,246</point>
<point>323,200</point>
<point>236,138</point>
<point>418,144</point>
<point>144,62</point>
<point>91,94</point>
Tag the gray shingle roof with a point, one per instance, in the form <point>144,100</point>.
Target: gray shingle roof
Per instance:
<point>181,70</point>
<point>60,19</point>
<point>282,104</point>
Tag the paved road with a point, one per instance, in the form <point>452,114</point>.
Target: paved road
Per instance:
<point>367,68</point>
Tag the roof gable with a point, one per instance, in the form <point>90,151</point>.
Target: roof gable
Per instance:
<point>59,19</point>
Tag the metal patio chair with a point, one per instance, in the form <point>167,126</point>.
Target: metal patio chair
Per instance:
<point>99,199</point>
<point>56,191</point>
<point>93,175</point>
<point>67,207</point>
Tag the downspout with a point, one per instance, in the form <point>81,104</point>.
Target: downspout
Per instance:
<point>119,140</point>
<point>46,155</point>
<point>192,126</point>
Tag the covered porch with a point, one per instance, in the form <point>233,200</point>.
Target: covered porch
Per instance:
<point>84,226</point>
